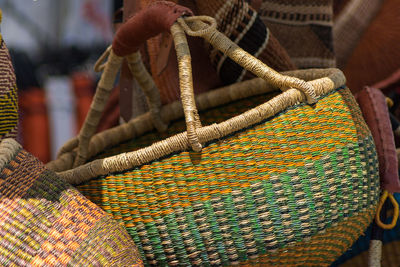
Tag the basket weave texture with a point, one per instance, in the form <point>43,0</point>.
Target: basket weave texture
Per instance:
<point>298,188</point>
<point>45,221</point>
<point>8,95</point>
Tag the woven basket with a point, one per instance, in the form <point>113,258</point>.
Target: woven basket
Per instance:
<point>273,178</point>
<point>44,221</point>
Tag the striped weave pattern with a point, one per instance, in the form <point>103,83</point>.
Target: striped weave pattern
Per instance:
<point>8,95</point>
<point>242,24</point>
<point>304,28</point>
<point>294,179</point>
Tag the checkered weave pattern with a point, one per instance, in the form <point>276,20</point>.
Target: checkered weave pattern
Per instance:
<point>298,188</point>
<point>45,222</point>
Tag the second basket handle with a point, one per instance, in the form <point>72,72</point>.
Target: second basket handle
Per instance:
<point>204,26</point>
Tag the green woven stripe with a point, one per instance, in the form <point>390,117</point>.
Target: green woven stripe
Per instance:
<point>251,193</point>
<point>205,213</point>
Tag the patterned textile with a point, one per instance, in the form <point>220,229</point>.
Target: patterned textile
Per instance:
<point>44,221</point>
<point>242,24</point>
<point>376,55</point>
<point>296,189</point>
<point>303,28</point>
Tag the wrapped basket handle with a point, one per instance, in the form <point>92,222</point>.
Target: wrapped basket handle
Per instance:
<point>149,22</point>
<point>203,26</point>
<point>161,15</point>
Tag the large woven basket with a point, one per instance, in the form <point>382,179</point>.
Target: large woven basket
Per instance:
<point>273,178</point>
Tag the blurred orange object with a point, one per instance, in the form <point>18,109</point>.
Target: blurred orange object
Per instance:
<point>35,123</point>
<point>83,86</point>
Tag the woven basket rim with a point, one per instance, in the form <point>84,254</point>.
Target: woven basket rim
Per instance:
<point>323,80</point>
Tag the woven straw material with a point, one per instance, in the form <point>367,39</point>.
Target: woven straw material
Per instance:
<point>242,24</point>
<point>44,221</point>
<point>303,181</point>
<point>8,95</point>
<point>218,115</point>
<point>208,117</point>
<point>349,28</point>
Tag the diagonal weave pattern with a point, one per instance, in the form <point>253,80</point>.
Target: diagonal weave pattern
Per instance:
<point>44,221</point>
<point>266,188</point>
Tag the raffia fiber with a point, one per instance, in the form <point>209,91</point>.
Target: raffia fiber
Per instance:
<point>350,25</point>
<point>312,251</point>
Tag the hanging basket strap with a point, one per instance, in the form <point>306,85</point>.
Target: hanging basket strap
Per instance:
<point>382,200</point>
<point>99,102</point>
<point>146,83</point>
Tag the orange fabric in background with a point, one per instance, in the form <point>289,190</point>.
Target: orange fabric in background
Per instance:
<point>34,123</point>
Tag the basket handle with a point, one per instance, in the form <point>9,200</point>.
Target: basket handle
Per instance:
<point>158,17</point>
<point>149,22</point>
<point>204,26</point>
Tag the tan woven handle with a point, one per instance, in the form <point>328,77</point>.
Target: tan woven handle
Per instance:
<point>151,21</point>
<point>125,45</point>
<point>205,27</point>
